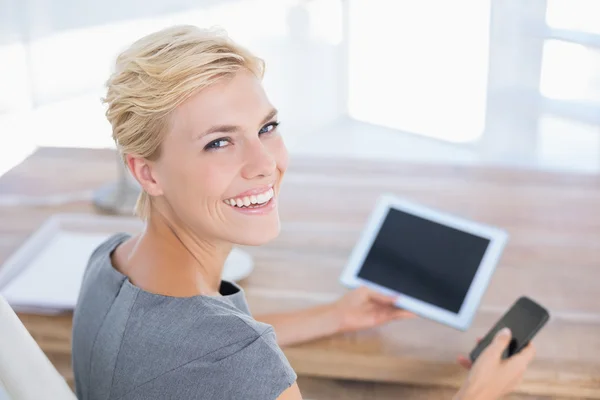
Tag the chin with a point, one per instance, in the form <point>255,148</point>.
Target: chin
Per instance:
<point>256,239</point>
<point>257,235</point>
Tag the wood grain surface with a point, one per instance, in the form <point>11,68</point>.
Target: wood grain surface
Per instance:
<point>553,255</point>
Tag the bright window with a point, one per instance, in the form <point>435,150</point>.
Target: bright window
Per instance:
<point>420,66</point>
<point>570,71</point>
<point>576,15</point>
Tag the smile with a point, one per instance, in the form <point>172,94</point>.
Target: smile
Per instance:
<point>251,201</point>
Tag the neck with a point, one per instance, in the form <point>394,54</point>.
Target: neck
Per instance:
<point>177,261</point>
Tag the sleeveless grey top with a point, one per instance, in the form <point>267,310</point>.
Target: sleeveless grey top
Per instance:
<point>131,344</point>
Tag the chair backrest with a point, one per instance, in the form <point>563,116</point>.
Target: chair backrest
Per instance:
<point>25,371</point>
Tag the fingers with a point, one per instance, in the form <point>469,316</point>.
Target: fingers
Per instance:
<point>525,356</point>
<point>381,298</point>
<point>398,313</point>
<point>405,314</point>
<point>383,314</point>
<point>391,313</point>
<point>388,304</point>
<point>500,342</point>
<point>465,362</point>
<point>518,363</point>
<point>385,300</point>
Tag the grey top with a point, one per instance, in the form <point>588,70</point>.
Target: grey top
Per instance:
<point>131,344</point>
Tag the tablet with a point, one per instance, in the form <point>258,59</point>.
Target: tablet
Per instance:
<point>438,264</point>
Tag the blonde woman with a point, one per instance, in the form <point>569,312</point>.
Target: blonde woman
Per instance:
<point>154,320</point>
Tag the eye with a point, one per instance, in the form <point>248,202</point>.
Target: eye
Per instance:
<point>268,128</point>
<point>217,144</point>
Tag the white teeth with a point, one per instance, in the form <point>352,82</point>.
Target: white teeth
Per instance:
<point>254,199</point>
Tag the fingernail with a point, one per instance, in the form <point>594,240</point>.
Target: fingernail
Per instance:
<point>504,332</point>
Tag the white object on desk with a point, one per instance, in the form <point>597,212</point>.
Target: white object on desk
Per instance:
<point>44,275</point>
<point>52,279</point>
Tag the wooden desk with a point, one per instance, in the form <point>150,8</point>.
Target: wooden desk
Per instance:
<point>553,255</point>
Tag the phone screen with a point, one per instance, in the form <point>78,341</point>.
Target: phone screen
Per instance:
<point>525,318</point>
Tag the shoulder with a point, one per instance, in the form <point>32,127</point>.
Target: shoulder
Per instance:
<point>100,281</point>
<point>106,248</point>
<point>191,328</point>
<point>101,256</point>
<point>209,346</point>
<point>258,369</point>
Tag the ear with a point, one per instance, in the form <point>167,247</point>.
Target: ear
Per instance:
<point>142,171</point>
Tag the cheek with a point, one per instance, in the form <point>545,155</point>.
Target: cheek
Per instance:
<point>197,180</point>
<point>213,180</point>
<point>207,180</point>
<point>280,154</point>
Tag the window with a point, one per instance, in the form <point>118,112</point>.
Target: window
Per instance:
<point>574,15</point>
<point>570,71</point>
<point>420,67</point>
<point>515,82</point>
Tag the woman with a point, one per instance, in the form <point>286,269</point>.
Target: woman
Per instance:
<point>154,320</point>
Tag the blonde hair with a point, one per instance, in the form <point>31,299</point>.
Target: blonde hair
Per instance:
<point>156,74</point>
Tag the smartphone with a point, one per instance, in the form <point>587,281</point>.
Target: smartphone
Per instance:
<point>525,318</point>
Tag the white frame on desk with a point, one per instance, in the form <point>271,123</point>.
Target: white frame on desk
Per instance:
<point>239,264</point>
<point>461,320</point>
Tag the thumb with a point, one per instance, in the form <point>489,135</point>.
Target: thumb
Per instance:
<point>500,342</point>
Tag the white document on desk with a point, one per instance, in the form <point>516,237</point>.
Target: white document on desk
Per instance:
<point>44,275</point>
<point>51,280</point>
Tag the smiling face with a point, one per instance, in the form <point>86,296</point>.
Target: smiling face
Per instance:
<point>221,164</point>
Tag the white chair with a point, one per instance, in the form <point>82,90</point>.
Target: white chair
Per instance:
<point>25,371</point>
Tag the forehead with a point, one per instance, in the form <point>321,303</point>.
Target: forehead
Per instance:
<point>237,100</point>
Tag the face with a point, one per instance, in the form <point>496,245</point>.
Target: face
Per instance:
<point>221,164</point>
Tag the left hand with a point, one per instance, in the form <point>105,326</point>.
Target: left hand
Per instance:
<point>365,308</point>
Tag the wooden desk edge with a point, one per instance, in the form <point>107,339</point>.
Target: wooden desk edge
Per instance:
<point>325,364</point>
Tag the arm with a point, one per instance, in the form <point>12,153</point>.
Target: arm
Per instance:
<point>292,393</point>
<point>361,308</point>
<point>304,325</point>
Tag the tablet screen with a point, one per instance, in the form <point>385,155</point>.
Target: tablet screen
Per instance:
<point>424,259</point>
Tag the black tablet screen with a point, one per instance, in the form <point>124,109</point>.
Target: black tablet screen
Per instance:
<point>424,259</point>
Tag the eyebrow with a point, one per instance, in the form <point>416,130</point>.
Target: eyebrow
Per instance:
<point>235,128</point>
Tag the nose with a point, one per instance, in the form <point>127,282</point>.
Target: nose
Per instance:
<point>259,161</point>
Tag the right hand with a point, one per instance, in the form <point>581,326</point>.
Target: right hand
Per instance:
<point>491,377</point>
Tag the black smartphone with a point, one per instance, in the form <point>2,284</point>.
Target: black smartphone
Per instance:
<point>525,318</point>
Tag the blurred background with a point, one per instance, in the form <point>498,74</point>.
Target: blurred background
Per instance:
<point>479,82</point>
<point>467,81</point>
